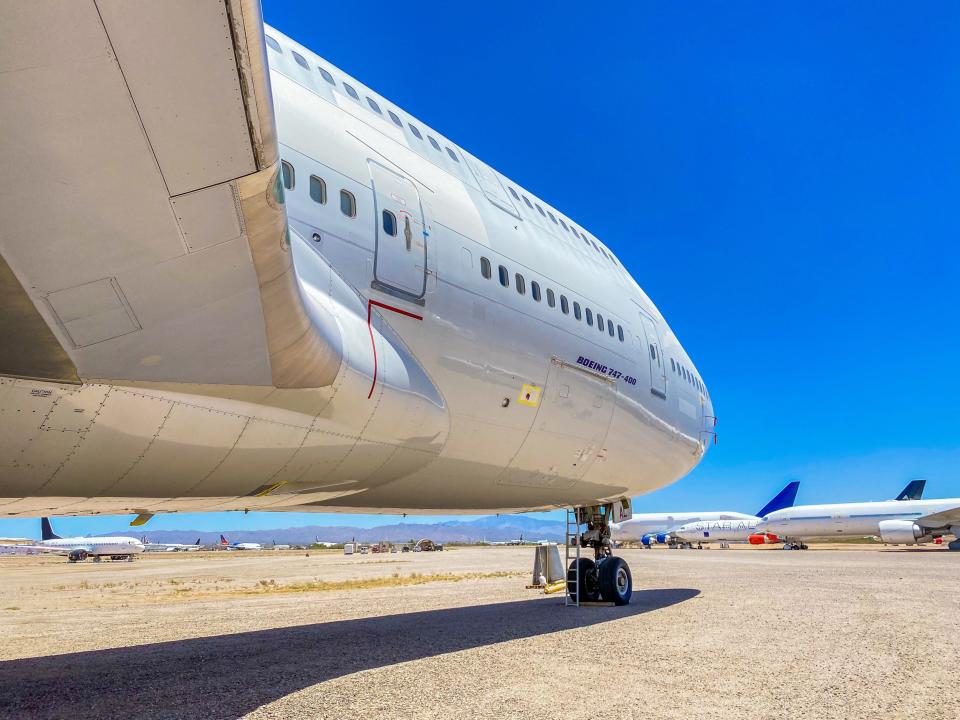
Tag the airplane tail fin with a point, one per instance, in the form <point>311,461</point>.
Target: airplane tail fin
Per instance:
<point>197,542</point>
<point>46,530</point>
<point>223,540</point>
<point>784,499</point>
<point>913,490</point>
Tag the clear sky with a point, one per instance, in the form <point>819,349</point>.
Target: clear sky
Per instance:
<point>781,178</point>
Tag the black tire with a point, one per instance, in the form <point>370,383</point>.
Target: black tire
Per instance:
<point>589,592</point>
<point>615,580</point>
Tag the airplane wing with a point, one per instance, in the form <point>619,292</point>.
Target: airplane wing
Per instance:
<point>942,519</point>
<point>144,234</point>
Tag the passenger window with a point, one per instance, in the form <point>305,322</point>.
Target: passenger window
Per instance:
<point>576,310</point>
<point>527,201</point>
<point>272,44</point>
<point>589,317</point>
<point>301,60</point>
<point>436,145</point>
<point>599,322</point>
<point>653,353</point>
<point>413,129</point>
<point>453,155</point>
<point>348,203</point>
<point>485,268</point>
<point>552,217</point>
<point>620,333</point>
<point>521,283</point>
<point>318,190</point>
<point>564,305</point>
<point>351,92</point>
<point>563,224</point>
<point>540,209</point>
<point>551,300</point>
<point>326,76</point>
<point>535,290</point>
<point>289,176</point>
<point>389,223</point>
<point>504,277</point>
<point>373,105</point>
<point>514,193</point>
<point>393,116</point>
<point>610,327</point>
<point>673,365</point>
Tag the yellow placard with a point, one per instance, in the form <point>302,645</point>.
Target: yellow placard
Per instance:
<point>530,395</point>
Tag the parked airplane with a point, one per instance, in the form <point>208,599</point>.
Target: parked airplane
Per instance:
<point>899,522</point>
<point>727,531</point>
<point>518,541</point>
<point>378,321</point>
<point>168,547</point>
<point>80,548</point>
<point>227,545</point>
<point>650,528</point>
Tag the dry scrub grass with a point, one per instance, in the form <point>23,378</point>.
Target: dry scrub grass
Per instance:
<point>318,585</point>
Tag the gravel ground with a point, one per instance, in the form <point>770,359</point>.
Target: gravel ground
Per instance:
<point>756,633</point>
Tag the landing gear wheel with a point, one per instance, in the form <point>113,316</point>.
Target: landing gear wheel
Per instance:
<point>589,591</point>
<point>803,547</point>
<point>616,583</point>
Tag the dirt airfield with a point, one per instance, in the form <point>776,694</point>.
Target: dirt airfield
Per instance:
<point>848,632</point>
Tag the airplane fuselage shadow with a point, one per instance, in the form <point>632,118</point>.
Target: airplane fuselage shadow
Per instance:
<point>227,676</point>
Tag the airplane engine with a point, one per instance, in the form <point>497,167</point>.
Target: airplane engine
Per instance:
<point>648,540</point>
<point>78,555</point>
<point>900,532</point>
<point>661,537</point>
<point>763,539</point>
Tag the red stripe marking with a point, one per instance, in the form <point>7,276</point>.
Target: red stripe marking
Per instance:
<point>370,304</point>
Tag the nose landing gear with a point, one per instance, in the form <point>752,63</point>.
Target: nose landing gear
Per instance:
<point>605,577</point>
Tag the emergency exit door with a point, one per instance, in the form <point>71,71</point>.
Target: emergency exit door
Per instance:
<point>400,259</point>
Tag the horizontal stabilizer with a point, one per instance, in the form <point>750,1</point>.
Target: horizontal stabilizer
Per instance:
<point>913,490</point>
<point>784,499</point>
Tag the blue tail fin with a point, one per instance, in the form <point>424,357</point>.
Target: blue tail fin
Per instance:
<point>46,531</point>
<point>913,490</point>
<point>784,499</point>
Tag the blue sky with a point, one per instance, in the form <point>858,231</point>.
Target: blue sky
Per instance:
<point>781,178</point>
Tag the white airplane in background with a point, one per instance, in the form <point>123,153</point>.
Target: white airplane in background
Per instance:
<point>168,547</point>
<point>745,530</point>
<point>897,522</point>
<point>80,548</point>
<point>650,528</point>
<point>226,544</point>
<point>236,278</point>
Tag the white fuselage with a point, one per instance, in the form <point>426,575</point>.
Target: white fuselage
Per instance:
<point>665,523</point>
<point>470,367</point>
<point>705,531</point>
<point>94,545</point>
<point>848,519</point>
<point>245,546</point>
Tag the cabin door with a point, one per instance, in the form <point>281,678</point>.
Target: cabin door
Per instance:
<point>400,260</point>
<point>658,371</point>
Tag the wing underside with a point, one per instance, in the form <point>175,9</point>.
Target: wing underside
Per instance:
<point>143,232</point>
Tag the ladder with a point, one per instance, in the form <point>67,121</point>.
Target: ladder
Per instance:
<point>572,541</point>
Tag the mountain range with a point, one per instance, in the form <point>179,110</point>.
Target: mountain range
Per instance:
<point>494,528</point>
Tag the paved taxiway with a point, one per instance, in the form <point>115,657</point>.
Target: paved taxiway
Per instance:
<point>850,633</point>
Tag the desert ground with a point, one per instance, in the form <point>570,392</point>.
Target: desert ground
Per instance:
<point>834,632</point>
